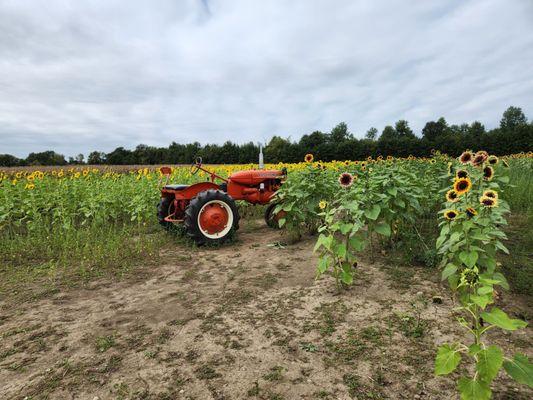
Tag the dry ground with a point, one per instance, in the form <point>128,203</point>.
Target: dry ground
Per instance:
<point>245,321</point>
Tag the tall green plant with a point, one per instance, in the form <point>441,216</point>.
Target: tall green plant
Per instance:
<point>299,196</point>
<point>470,238</point>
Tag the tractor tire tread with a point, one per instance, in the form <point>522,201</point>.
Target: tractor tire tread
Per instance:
<point>162,212</point>
<point>191,216</point>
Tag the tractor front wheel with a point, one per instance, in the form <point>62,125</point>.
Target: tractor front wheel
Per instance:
<point>211,217</point>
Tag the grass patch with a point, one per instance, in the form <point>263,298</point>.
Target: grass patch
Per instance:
<point>37,264</point>
<point>518,265</point>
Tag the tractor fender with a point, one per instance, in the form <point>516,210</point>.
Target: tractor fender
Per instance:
<point>193,190</point>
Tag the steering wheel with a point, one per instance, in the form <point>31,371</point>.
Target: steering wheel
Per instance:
<point>195,166</point>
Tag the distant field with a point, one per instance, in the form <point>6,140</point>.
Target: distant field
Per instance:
<point>100,167</point>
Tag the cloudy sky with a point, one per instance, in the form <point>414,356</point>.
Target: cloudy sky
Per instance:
<point>77,76</point>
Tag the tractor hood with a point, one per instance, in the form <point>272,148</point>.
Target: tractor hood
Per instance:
<point>255,176</point>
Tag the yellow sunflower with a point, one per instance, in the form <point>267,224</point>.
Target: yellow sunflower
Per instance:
<point>450,215</point>
<point>493,160</point>
<point>322,204</point>
<point>466,157</point>
<point>488,201</point>
<point>309,158</point>
<point>471,212</point>
<point>452,196</point>
<point>461,173</point>
<point>462,186</point>
<point>488,173</point>
<point>490,193</point>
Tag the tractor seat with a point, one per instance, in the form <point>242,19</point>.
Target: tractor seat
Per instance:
<point>176,187</point>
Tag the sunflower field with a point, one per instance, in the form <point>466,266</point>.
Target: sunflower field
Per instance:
<point>440,211</point>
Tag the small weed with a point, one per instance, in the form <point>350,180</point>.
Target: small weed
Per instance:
<point>104,343</point>
<point>309,347</point>
<point>323,395</point>
<point>412,326</point>
<point>372,334</point>
<point>352,383</point>
<point>164,335</point>
<point>207,372</point>
<point>254,391</point>
<point>151,353</point>
<point>113,364</point>
<point>275,374</point>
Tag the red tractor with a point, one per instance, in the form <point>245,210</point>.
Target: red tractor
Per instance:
<point>208,210</point>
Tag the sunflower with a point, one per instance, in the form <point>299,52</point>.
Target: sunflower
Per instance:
<point>29,186</point>
<point>471,212</point>
<point>309,158</point>
<point>451,196</point>
<point>491,193</point>
<point>493,160</point>
<point>461,173</point>
<point>346,179</point>
<point>466,157</point>
<point>488,201</point>
<point>450,215</point>
<point>322,204</point>
<point>363,164</point>
<point>462,185</point>
<point>479,158</point>
<point>488,173</point>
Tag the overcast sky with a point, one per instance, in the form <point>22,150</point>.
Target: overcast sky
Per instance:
<point>77,76</point>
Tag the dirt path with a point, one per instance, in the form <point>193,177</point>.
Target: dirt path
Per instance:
<point>245,321</point>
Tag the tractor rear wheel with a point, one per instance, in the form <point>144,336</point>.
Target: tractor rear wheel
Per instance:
<point>163,210</point>
<point>272,219</point>
<point>211,217</point>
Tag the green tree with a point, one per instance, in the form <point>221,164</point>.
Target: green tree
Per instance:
<point>388,133</point>
<point>434,129</point>
<point>96,157</point>
<point>476,129</point>
<point>46,158</point>
<point>7,160</point>
<point>339,133</point>
<point>403,130</point>
<point>372,134</point>
<point>512,117</point>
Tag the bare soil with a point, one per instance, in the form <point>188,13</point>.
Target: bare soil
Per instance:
<point>244,321</point>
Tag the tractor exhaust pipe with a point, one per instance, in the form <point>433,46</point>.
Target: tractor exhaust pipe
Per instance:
<point>261,162</point>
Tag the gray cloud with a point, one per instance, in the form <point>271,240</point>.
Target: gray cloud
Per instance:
<point>81,76</point>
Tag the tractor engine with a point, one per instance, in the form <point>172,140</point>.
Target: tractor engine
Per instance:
<point>254,186</point>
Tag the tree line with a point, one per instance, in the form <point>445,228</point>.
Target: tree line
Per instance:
<point>514,135</point>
